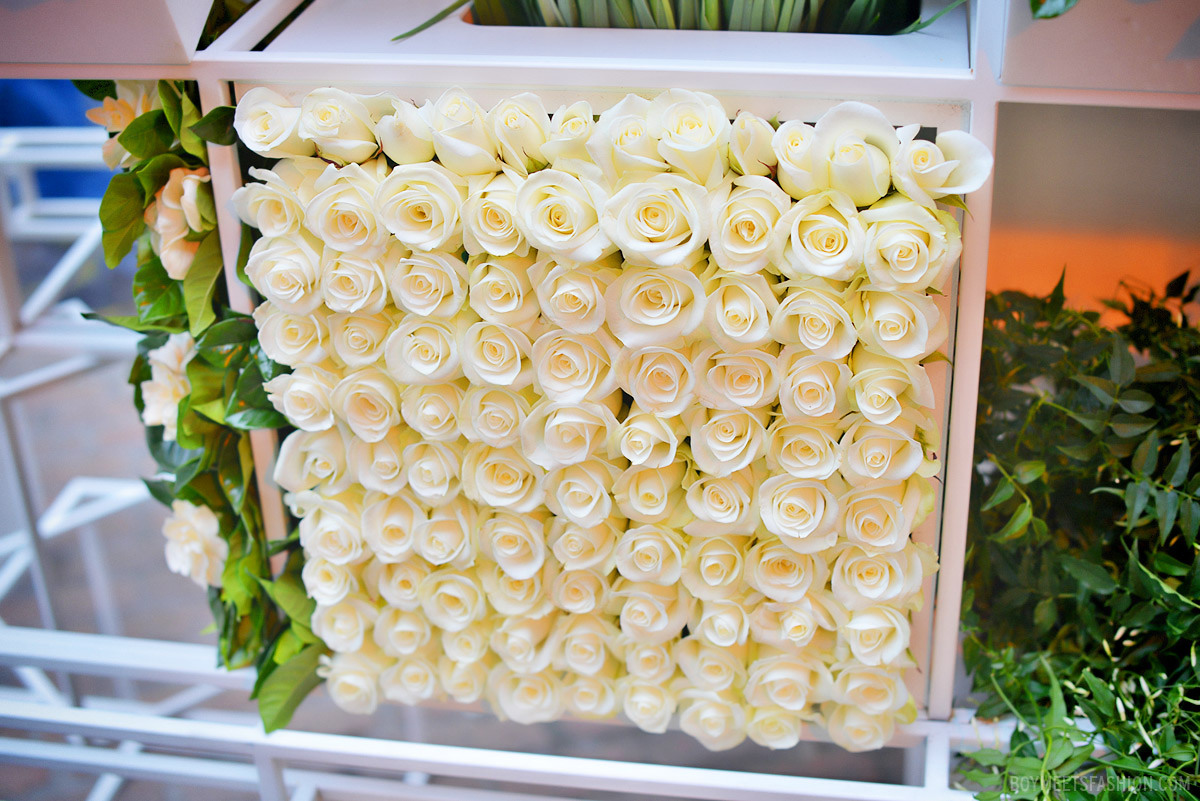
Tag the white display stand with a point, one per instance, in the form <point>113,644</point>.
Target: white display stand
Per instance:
<point>945,77</point>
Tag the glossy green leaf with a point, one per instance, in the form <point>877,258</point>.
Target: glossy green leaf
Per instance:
<point>288,685</point>
<point>121,216</point>
<point>148,135</point>
<point>200,284</point>
<point>217,126</point>
<point>1146,456</point>
<point>1120,363</point>
<point>189,140</point>
<point>97,90</point>
<point>1127,426</point>
<point>1177,469</point>
<point>1004,490</point>
<point>1047,9</point>
<point>1089,574</point>
<point>1029,471</point>
<point>168,98</point>
<point>1016,524</point>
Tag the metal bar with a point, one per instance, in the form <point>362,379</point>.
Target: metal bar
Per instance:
<point>61,274</point>
<point>44,376</point>
<point>270,777</point>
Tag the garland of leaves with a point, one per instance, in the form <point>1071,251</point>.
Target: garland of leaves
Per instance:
<point>1083,573</point>
<point>261,618</point>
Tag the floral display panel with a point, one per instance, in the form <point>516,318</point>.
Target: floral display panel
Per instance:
<point>608,411</point>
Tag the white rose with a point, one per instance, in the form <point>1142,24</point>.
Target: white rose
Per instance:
<point>399,583</point>
<point>813,314</point>
<point>302,396</point>
<point>468,644</point>
<point>874,690</point>
<point>712,567</point>
<point>423,351</point>
<point>287,271</point>
<point>460,134</point>
<point>881,387</point>
<point>432,410</point>
<point>502,477</point>
<point>513,596</point>
<point>647,439</point>
<point>560,434</point>
<point>877,635</point>
<point>357,339</point>
<point>652,663</point>
<point>489,218</point>
<point>340,124</point>
<point>774,728</point>
<point>745,229</point>
<point>723,622</point>
<point>369,403</point>
<point>411,680</point>
<point>813,387</point>
<point>580,592</point>
<point>449,535</point>
<point>793,144</point>
<point>780,573</point>
<point>793,626</point>
<point>451,599</point>
<point>822,235</point>
<point>955,164</point>
<point>291,339</point>
<point>352,680</point>
<point>570,128</point>
<point>743,380</point>
<point>404,134</point>
<point>388,525</point>
<point>709,667</point>
<point>622,144</point>
<point>352,283</point>
<point>520,127</point>
<point>432,471</point>
<point>342,214</point>
<point>879,515</point>
<point>429,284</point>
<point>652,494</point>
<point>738,312</point>
<point>492,415</point>
<point>724,505</point>
<point>860,578</point>
<point>307,459</point>
<point>724,442</point>
<point>803,513</point>
<point>344,625</point>
<point>647,704</point>
<point>581,492</point>
<point>653,613</point>
<point>194,547</point>
<point>852,151</point>
<point>267,123</point>
<point>718,722</point>
<point>419,204</point>
<point>692,129</point>
<point>496,354</point>
<point>661,222</point>
<point>569,368</point>
<point>804,450</point>
<point>168,384</point>
<point>908,246</point>
<point>572,297</point>
<point>525,699</point>
<point>557,213</point>
<point>331,532</point>
<point>399,633</point>
<point>579,547</point>
<point>650,553</point>
<point>273,205</point>
<point>500,290</point>
<point>786,681</point>
<point>889,453</point>
<point>328,583</point>
<point>465,682</point>
<point>591,697</point>
<point>175,216</point>
<point>378,465</point>
<point>588,644</point>
<point>654,306</point>
<point>523,643</point>
<point>516,542</point>
<point>750,151</point>
<point>855,730</point>
<point>659,379</point>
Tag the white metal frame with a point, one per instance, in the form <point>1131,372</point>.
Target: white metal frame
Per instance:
<point>906,84</point>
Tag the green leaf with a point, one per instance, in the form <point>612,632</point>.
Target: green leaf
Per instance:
<point>1165,563</point>
<point>1136,497</point>
<point>1166,509</point>
<point>436,18</point>
<point>1181,462</point>
<point>1016,524</point>
<point>217,126</point>
<point>1045,614</point>
<point>1046,9</point>
<point>121,216</point>
<point>1189,521</point>
<point>168,97</point>
<point>287,686</point>
<point>189,140</point>
<point>1135,401</point>
<point>1028,472</point>
<point>1089,574</point>
<point>1120,362</point>
<point>153,175</point>
<point>148,136</point>
<point>1159,587</point>
<point>156,297</point>
<point>1004,490</point>
<point>288,592</point>
<point>954,201</point>
<point>1127,426</point>
<point>97,90</point>
<point>1104,390</point>
<point>1102,695</point>
<point>1177,284</point>
<point>200,284</point>
<point>1146,456</point>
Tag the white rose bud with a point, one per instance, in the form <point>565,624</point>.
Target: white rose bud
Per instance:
<point>662,222</point>
<point>331,532</point>
<point>653,613</point>
<point>734,381</point>
<point>352,679</point>
<point>468,644</point>
<point>449,535</point>
<point>419,204</point>
<point>852,151</point>
<point>328,583</point>
<point>622,144</point>
<point>581,492</point>
<point>874,690</point>
<point>588,644</point>
<point>513,596</point>
<point>579,547</point>
<point>786,681</point>
<point>803,513</point>
<point>411,680</point>
<point>908,246</point>
<point>709,667</point>
<point>516,542</point>
<point>653,663</point>
<point>855,730</point>
<point>822,235</point>
<point>489,218</point>
<point>525,699</point>
<point>652,494</point>
<point>423,351</point>
<point>523,643</point>
<point>307,459</point>
<point>432,471</point>
<point>344,625</point>
<point>724,442</point>
<point>804,450</point>
<point>560,434</point>
<point>400,633</point>
<point>399,583</point>
<point>291,339</point>
<point>378,465</point>
<point>572,297</point>
<point>357,339</point>
<point>750,151</point>
<point>432,410</point>
<point>889,453</point>
<point>647,704</point>
<point>774,728</point>
<point>302,396</point>
<point>654,306</point>
<point>659,378</point>
<point>580,592</point>
<point>880,515</point>
<point>877,635</point>
<point>558,214</point>
<point>267,123</point>
<point>342,213</point>
<point>780,573</point>
<point>352,283</point>
<point>650,553</point>
<point>272,206</point>
<point>495,354</point>
<point>712,567</point>
<point>860,579</point>
<point>460,134</point>
<point>738,312</point>
<point>570,128</point>
<point>503,478</point>
<point>369,403</point>
<point>793,144</point>
<point>388,525</point>
<point>717,721</point>
<point>465,682</point>
<point>813,314</point>
<point>813,387</point>
<point>724,505</point>
<point>520,127</point>
<point>286,270</point>
<point>404,134</point>
<point>591,697</point>
<point>194,546</point>
<point>647,439</point>
<point>428,284</point>
<point>693,133</point>
<point>723,622</point>
<point>957,163</point>
<point>745,225</point>
<point>569,368</point>
<point>500,290</point>
<point>493,416</point>
<point>452,600</point>
<point>793,626</point>
<point>341,125</point>
<point>881,387</point>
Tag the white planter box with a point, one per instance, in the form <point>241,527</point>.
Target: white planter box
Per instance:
<point>1128,45</point>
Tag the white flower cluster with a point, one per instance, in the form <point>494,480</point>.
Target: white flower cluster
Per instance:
<point>194,546</point>
<point>615,413</point>
<point>168,383</point>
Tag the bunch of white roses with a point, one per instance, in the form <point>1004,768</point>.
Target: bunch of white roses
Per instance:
<point>615,413</point>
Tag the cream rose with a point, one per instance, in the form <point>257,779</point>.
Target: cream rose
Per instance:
<point>352,283</point>
<point>813,387</point>
<point>272,206</point>
<point>581,492</point>
<point>307,459</point>
<point>428,284</point>
<point>468,644</point>
<point>520,126</point>
<point>659,378</point>
<point>516,542</point>
<point>286,270</point>
<point>579,547</point>
<point>774,728</point>
<point>411,680</point>
<point>580,592</point>
<point>661,222</point>
<point>194,546</point>
<point>708,667</point>
<point>525,699</point>
<point>331,532</point>
<point>558,213</point>
<point>647,439</point>
<point>654,306</point>
<point>590,697</point>
<point>523,643</point>
<point>378,465</point>
<point>622,144</point>
<point>873,690</point>
<point>560,434</point>
<point>750,151</point>
<point>653,613</point>
<point>419,204</point>
<point>500,290</point>
<point>860,578</point>
<point>432,410</point>
<point>449,535</point>
<point>388,525</point>
<point>503,478</point>
<point>513,596</point>
<point>899,324</point>
<point>793,145</point>
<point>650,553</point>
<point>803,513</point>
<point>588,644</point>
<point>566,146</point>
<point>268,124</point>
<point>909,247</point>
<point>877,635</point>
<point>813,314</point>
<point>653,663</point>
<point>461,138</point>
<point>400,633</point>
<point>724,442</point>
<point>647,704</point>
<point>723,622</point>
<point>340,124</point>
<point>422,351</point>
<point>889,453</point>
<point>717,721</point>
<point>822,235</point>
<point>572,297</point>
<point>399,584</point>
<point>853,147</point>
<point>465,682</point>
<point>328,583</point>
<point>786,681</point>
<point>882,387</point>
<point>433,471</point>
<point>954,164</point>
<point>804,450</point>
<point>489,218</point>
<point>724,505</point>
<point>404,134</point>
<point>352,680</point>
<point>738,312</point>
<point>368,402</point>
<point>495,354</point>
<point>168,384</point>
<point>575,367</point>
<point>344,625</point>
<point>451,599</point>
<point>652,494</point>
<point>493,416</point>
<point>692,129</point>
<point>780,573</point>
<point>879,515</point>
<point>357,339</point>
<point>342,214</point>
<point>712,567</point>
<point>734,381</point>
<point>745,225</point>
